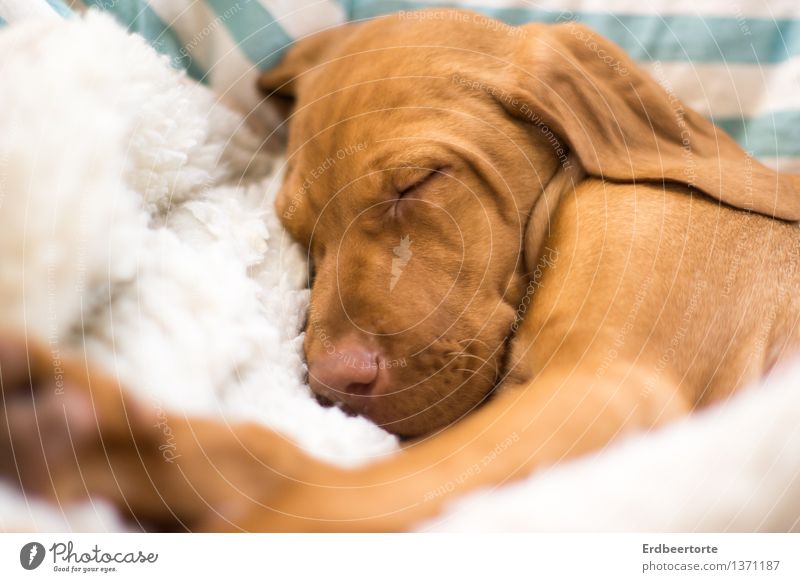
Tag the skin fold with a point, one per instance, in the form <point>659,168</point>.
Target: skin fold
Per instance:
<point>520,255</point>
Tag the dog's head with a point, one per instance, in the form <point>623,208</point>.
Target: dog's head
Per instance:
<point>419,147</point>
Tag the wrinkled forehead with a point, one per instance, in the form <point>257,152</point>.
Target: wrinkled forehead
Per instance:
<point>400,61</point>
<point>394,87</point>
<point>414,46</point>
<point>345,123</point>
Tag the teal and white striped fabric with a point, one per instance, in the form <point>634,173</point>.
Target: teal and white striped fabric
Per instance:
<point>736,62</point>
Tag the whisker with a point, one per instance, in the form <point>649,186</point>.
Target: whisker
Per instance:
<point>476,373</point>
<point>474,339</point>
<point>483,361</point>
<point>480,359</point>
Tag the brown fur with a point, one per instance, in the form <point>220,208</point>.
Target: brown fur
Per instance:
<point>569,245</point>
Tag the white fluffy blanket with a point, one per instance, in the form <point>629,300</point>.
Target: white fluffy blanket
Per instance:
<point>136,222</point>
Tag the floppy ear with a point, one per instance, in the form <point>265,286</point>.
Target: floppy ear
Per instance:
<point>282,80</point>
<point>624,126</point>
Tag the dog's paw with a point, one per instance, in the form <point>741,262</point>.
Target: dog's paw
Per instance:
<point>58,419</point>
<point>42,418</point>
<point>69,431</point>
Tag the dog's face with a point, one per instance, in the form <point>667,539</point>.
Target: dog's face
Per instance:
<point>402,187</point>
<point>412,170</point>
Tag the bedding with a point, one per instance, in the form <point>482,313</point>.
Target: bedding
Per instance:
<point>150,243</point>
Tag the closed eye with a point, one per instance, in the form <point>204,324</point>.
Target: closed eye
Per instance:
<point>420,179</point>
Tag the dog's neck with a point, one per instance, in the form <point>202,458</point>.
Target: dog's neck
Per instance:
<point>540,221</point>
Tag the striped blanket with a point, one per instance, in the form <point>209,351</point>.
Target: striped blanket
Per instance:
<point>738,63</point>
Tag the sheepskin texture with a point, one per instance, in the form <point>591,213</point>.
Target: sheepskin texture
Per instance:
<point>136,223</point>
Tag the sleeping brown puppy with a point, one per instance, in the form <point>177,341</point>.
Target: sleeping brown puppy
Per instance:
<point>521,243</point>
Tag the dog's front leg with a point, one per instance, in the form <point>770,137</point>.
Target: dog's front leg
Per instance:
<point>68,430</point>
<point>567,410</point>
<point>91,438</point>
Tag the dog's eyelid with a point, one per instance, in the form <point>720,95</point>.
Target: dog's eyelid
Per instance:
<point>420,178</point>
